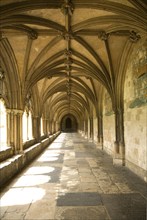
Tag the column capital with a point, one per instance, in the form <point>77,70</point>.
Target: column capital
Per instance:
<point>15,111</point>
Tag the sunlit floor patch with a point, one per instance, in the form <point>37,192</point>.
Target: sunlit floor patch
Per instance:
<point>39,170</point>
<point>32,180</point>
<point>21,196</point>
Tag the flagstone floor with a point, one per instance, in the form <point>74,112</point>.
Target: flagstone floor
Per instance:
<point>72,180</point>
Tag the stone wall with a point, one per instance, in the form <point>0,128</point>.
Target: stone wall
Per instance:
<point>95,129</point>
<point>135,112</point>
<point>108,125</point>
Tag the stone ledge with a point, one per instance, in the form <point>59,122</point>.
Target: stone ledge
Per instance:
<point>13,165</point>
<point>29,143</point>
<point>137,170</point>
<point>5,153</point>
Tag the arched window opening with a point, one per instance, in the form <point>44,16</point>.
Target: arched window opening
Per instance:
<point>41,123</point>
<point>27,126</point>
<point>3,125</point>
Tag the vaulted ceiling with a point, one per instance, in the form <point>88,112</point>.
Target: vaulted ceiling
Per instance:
<point>66,52</point>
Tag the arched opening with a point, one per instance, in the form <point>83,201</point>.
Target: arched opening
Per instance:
<point>69,123</point>
<point>41,124</point>
<point>3,125</point>
<point>27,126</point>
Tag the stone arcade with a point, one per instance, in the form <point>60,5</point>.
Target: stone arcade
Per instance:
<point>73,66</point>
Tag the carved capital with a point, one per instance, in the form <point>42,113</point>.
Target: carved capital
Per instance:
<point>134,37</point>
<point>67,8</point>
<point>16,111</point>
<point>103,35</point>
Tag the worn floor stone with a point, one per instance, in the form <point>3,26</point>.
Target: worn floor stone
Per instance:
<point>72,180</point>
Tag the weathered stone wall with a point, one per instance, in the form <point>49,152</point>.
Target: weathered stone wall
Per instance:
<point>108,125</point>
<point>95,129</point>
<point>135,112</point>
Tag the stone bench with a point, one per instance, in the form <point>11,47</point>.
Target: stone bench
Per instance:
<point>13,165</point>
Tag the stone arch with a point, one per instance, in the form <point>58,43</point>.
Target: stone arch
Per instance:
<point>3,124</point>
<point>69,123</point>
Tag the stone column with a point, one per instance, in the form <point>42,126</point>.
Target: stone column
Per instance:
<point>45,126</point>
<point>119,146</point>
<point>50,127</point>
<point>82,127</point>
<point>12,132</point>
<point>100,131</point>
<point>19,131</point>
<point>36,128</point>
<point>86,128</point>
<point>57,126</point>
<point>14,129</point>
<point>116,143</point>
<point>53,127</point>
<point>91,128</point>
<point>8,127</point>
<point>121,136</point>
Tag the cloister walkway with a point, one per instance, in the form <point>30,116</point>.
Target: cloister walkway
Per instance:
<point>73,180</point>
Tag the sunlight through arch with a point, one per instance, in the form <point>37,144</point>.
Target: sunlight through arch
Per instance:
<point>41,123</point>
<point>27,126</point>
<point>3,125</point>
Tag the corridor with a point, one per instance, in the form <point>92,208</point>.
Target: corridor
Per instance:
<point>73,180</point>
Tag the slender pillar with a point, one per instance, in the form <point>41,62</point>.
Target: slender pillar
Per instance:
<point>48,130</point>
<point>8,127</point>
<point>36,128</point>
<point>116,143</point>
<point>45,126</point>
<point>121,136</point>
<point>119,146</point>
<point>14,130</point>
<point>19,132</point>
<point>91,128</point>
<point>100,130</point>
<point>50,127</point>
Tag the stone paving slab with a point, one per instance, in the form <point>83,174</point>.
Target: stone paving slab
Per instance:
<point>126,206</point>
<point>79,199</point>
<point>81,213</point>
<point>72,180</point>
